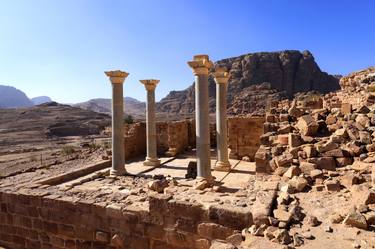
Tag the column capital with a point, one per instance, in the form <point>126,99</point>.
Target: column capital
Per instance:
<point>221,75</point>
<point>150,85</point>
<point>200,64</point>
<point>117,77</point>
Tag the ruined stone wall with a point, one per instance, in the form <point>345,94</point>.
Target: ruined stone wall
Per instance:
<point>172,138</point>
<point>135,140</point>
<point>162,137</point>
<point>42,220</point>
<point>244,136</point>
<point>178,137</point>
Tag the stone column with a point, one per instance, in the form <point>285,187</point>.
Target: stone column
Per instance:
<point>201,65</point>
<point>151,158</point>
<point>117,79</point>
<point>221,78</point>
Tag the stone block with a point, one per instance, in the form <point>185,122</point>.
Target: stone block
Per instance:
<point>307,125</point>
<point>327,163</point>
<point>214,231</point>
<point>346,108</point>
<point>306,167</point>
<point>294,140</point>
<point>229,216</point>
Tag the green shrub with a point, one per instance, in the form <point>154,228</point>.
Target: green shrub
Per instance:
<point>128,119</point>
<point>68,150</point>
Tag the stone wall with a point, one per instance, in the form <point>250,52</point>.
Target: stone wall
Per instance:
<point>244,136</point>
<point>175,137</point>
<point>43,220</point>
<point>135,140</point>
<point>172,138</point>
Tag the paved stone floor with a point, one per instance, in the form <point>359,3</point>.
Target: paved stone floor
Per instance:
<point>176,167</point>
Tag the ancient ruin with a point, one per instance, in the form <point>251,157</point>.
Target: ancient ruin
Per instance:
<point>286,178</point>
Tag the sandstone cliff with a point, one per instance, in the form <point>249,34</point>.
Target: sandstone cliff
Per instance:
<point>287,71</point>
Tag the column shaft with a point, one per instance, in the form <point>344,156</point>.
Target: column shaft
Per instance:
<point>221,126</point>
<point>202,126</point>
<point>151,128</point>
<point>118,153</point>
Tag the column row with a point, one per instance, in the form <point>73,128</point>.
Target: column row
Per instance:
<point>117,79</point>
<point>201,66</point>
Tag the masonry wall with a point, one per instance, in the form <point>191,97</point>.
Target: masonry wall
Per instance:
<point>244,136</point>
<point>40,220</point>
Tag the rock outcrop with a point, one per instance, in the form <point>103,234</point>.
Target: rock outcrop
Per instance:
<point>287,71</point>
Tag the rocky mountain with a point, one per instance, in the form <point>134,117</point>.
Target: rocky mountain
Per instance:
<point>11,97</point>
<point>40,100</point>
<point>50,119</point>
<point>132,106</point>
<point>288,71</point>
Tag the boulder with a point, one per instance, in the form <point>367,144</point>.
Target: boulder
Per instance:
<point>355,219</point>
<point>284,160</point>
<point>292,171</point>
<point>362,194</point>
<point>307,125</point>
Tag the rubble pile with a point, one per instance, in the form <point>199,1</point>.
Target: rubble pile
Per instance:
<point>321,143</point>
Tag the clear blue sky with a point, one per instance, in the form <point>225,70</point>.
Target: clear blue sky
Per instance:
<point>61,48</point>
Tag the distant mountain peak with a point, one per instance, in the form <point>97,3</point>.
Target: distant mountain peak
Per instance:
<point>40,100</point>
<point>11,97</point>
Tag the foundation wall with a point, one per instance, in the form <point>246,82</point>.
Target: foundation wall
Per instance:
<point>40,220</point>
<point>244,136</point>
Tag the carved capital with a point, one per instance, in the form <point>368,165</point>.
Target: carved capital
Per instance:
<point>221,75</point>
<point>117,77</point>
<point>200,64</point>
<point>150,85</point>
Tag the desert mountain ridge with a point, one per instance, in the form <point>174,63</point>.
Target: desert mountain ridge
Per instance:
<point>281,74</point>
<point>11,97</point>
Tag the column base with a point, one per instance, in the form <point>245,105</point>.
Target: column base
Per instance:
<point>115,172</point>
<point>222,166</point>
<point>210,180</point>
<point>151,162</point>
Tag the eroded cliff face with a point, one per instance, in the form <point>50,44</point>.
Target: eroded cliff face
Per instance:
<point>287,71</point>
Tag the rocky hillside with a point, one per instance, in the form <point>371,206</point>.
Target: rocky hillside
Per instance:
<point>287,71</point>
<point>11,97</point>
<point>50,119</point>
<point>132,107</point>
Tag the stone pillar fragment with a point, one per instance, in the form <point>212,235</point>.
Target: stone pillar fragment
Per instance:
<point>151,158</point>
<point>221,78</point>
<point>117,79</point>
<point>200,66</point>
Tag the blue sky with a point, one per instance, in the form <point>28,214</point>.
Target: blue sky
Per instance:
<point>61,48</point>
